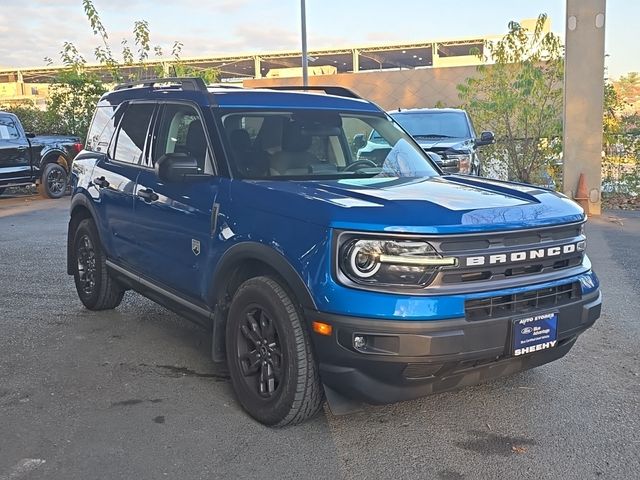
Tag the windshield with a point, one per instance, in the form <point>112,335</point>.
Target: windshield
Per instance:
<point>434,124</point>
<point>319,144</point>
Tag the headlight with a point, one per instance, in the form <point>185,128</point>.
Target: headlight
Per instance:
<point>392,262</point>
<point>462,161</point>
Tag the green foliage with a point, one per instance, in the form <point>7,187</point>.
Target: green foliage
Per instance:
<point>621,161</point>
<point>72,100</point>
<point>519,98</point>
<point>33,119</point>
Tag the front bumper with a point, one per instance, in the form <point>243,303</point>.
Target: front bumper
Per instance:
<point>410,359</point>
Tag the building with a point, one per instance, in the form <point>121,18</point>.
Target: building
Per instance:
<point>30,84</point>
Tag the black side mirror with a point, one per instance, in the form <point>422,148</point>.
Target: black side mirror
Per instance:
<point>177,167</point>
<point>30,135</point>
<point>486,138</point>
<point>359,141</point>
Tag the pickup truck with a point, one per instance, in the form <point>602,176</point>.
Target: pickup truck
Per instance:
<point>26,159</point>
<point>445,134</point>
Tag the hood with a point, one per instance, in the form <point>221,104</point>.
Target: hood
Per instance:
<point>444,204</point>
<point>442,144</point>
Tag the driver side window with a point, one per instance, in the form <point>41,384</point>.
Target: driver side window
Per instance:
<point>181,130</point>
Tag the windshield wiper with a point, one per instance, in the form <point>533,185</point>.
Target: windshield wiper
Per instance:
<point>432,135</point>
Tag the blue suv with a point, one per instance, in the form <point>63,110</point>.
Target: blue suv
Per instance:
<point>318,274</point>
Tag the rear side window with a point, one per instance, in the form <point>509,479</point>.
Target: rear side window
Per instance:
<point>8,129</point>
<point>132,133</point>
<point>102,127</point>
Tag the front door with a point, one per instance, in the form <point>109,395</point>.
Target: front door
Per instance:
<point>15,156</point>
<point>175,221</point>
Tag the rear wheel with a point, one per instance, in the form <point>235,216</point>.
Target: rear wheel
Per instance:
<point>53,183</point>
<point>269,355</point>
<point>96,288</point>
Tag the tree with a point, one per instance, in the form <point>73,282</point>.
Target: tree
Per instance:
<point>519,97</point>
<point>75,91</point>
<point>73,96</point>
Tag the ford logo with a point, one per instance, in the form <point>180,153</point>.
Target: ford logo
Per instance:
<point>526,330</point>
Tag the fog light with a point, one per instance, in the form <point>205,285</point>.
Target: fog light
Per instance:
<point>359,342</point>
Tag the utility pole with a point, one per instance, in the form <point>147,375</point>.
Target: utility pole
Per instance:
<point>305,57</point>
<point>583,97</point>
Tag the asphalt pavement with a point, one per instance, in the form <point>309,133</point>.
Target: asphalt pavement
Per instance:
<point>132,393</point>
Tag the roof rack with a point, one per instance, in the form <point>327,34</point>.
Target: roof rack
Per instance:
<point>187,83</point>
<point>328,89</point>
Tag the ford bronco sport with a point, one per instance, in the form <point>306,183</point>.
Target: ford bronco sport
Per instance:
<point>321,275</point>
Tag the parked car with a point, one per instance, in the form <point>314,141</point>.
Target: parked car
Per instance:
<point>447,132</point>
<point>26,159</point>
<point>319,273</point>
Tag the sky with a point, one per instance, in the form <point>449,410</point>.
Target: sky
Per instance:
<point>33,29</point>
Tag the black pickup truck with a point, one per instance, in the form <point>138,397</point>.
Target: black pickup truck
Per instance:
<point>26,159</point>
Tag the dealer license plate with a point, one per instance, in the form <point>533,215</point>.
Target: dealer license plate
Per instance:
<point>535,333</point>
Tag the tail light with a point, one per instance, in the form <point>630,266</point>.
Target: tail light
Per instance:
<point>77,147</point>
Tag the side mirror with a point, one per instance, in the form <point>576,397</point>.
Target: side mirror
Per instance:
<point>486,138</point>
<point>177,167</point>
<point>30,135</point>
<point>359,141</point>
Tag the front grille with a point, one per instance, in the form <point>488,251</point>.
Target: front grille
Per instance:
<point>504,244</point>
<point>521,303</point>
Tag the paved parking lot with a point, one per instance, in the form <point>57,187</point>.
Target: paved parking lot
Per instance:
<point>132,393</point>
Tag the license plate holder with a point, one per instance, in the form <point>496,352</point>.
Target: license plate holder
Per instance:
<point>534,333</point>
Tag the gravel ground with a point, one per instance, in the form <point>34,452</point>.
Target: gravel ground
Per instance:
<point>132,394</point>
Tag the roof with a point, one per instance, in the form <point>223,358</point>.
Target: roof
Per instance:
<point>224,97</point>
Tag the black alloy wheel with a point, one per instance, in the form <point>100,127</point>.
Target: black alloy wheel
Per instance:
<point>53,183</point>
<point>86,260</point>
<point>259,353</point>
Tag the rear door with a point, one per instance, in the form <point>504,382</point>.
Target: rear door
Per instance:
<point>115,175</point>
<point>15,156</point>
<point>175,221</point>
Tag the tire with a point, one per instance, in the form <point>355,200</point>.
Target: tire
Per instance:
<point>2,189</point>
<point>96,288</point>
<point>53,183</point>
<point>265,329</point>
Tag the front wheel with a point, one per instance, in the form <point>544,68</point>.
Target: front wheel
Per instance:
<point>269,355</point>
<point>53,183</point>
<point>96,288</point>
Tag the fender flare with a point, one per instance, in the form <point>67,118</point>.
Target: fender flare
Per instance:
<point>268,255</point>
<point>48,151</point>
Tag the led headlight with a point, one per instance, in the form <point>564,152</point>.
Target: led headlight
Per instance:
<point>391,262</point>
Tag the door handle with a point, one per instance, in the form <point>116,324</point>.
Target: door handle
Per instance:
<point>22,148</point>
<point>100,182</point>
<point>148,195</point>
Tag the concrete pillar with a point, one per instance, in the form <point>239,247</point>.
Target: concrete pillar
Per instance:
<point>584,97</point>
<point>356,60</point>
<point>257,67</point>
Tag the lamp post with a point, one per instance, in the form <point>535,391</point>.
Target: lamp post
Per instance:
<point>305,59</point>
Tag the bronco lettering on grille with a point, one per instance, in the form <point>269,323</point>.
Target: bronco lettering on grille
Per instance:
<point>525,255</point>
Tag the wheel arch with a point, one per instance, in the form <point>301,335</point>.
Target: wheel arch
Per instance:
<point>54,155</point>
